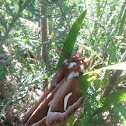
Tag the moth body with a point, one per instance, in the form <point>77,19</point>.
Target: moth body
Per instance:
<point>63,96</point>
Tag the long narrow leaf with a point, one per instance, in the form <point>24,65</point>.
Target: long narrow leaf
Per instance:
<point>70,120</point>
<point>86,79</point>
<point>119,66</point>
<point>122,23</point>
<point>113,98</point>
<point>71,38</point>
<point>120,112</point>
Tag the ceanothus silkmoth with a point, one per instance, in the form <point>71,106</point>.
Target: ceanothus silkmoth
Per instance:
<point>63,96</point>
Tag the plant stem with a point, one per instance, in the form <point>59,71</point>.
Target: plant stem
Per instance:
<point>64,16</point>
<point>114,79</point>
<point>43,33</point>
<point>120,16</point>
<point>122,24</point>
<point>15,19</point>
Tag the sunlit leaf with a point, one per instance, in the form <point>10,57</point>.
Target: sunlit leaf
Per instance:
<point>86,79</point>
<point>70,120</point>
<point>71,38</point>
<point>119,66</point>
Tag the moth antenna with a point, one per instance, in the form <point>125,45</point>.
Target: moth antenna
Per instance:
<point>64,55</point>
<point>89,59</point>
<point>79,51</point>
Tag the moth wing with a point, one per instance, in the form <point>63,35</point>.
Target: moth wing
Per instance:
<point>60,109</point>
<point>42,105</point>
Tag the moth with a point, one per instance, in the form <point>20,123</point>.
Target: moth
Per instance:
<point>63,96</point>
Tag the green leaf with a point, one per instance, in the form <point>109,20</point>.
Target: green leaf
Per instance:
<point>119,66</point>
<point>86,79</point>
<point>122,23</point>
<point>120,112</point>
<point>3,22</point>
<point>113,98</point>
<point>9,8</point>
<point>70,120</point>
<point>71,38</point>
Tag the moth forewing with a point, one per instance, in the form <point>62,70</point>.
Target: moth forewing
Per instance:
<point>56,113</point>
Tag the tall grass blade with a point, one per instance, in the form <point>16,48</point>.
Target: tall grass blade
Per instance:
<point>122,23</point>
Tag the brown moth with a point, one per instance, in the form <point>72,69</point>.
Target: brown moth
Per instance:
<point>63,96</point>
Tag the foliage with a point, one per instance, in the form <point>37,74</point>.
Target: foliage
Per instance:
<point>22,72</point>
<point>71,38</point>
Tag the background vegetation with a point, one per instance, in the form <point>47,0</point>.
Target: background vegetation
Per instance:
<point>29,31</point>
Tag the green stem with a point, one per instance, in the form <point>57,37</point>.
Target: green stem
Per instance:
<point>98,14</point>
<point>64,15</point>
<point>110,86</point>
<point>120,16</point>
<point>114,78</point>
<point>103,10</point>
<point>15,19</point>
<point>122,24</point>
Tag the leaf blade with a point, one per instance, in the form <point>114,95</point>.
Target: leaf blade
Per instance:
<point>120,112</point>
<point>71,38</point>
<point>113,98</point>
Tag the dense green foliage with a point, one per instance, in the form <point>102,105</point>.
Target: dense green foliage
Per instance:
<point>22,71</point>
